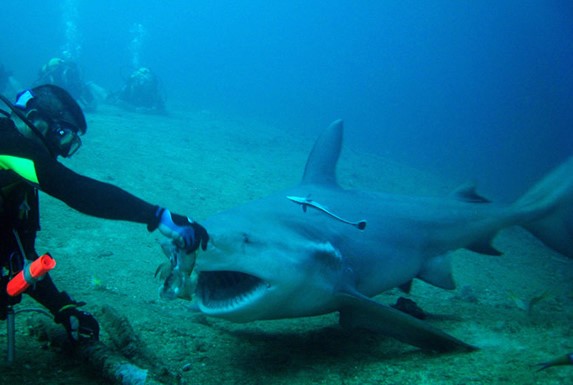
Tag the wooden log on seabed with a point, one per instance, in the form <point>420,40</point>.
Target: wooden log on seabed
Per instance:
<point>110,365</point>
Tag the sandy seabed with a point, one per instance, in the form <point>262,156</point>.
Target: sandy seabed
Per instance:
<point>197,163</point>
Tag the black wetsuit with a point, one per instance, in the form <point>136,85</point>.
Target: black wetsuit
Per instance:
<point>25,168</point>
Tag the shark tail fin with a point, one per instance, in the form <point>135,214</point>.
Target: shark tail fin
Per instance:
<point>548,209</point>
<point>321,163</point>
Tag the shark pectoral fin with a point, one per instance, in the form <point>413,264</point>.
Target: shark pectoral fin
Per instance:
<point>362,312</point>
<point>438,272</point>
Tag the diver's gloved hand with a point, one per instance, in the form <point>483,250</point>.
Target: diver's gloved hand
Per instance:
<point>185,232</point>
<point>80,325</point>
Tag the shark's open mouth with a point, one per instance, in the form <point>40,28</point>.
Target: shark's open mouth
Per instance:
<point>226,290</point>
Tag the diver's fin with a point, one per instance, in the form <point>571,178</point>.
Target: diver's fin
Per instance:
<point>361,312</point>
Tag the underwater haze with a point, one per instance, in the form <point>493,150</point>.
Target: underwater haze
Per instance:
<point>433,94</point>
<point>477,90</point>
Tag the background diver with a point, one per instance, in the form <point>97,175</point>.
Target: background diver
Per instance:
<point>66,74</point>
<point>141,92</point>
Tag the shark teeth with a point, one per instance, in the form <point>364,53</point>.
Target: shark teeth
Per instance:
<point>225,290</point>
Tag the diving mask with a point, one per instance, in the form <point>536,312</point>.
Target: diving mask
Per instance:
<point>63,138</point>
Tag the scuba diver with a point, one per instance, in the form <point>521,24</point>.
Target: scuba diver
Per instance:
<point>46,122</point>
<point>66,74</point>
<point>141,92</point>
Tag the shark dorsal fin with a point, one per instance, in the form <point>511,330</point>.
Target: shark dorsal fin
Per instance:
<point>321,163</point>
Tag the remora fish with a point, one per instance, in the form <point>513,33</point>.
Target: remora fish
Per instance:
<point>268,260</point>
<point>307,202</point>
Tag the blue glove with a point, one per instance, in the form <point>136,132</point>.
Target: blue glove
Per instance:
<point>185,232</point>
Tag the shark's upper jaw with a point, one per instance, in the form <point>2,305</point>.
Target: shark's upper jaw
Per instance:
<point>220,292</point>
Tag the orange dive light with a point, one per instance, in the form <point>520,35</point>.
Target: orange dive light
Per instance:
<point>30,274</point>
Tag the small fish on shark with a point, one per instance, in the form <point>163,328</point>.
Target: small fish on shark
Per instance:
<point>307,202</point>
<point>268,261</point>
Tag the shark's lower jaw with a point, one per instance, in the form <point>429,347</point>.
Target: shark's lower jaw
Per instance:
<point>227,291</point>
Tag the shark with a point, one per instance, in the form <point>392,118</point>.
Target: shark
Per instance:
<point>268,259</point>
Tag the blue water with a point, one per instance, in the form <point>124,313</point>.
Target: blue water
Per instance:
<point>472,89</point>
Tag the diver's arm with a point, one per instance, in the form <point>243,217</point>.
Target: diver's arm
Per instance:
<point>33,163</point>
<point>90,196</point>
<point>104,200</point>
